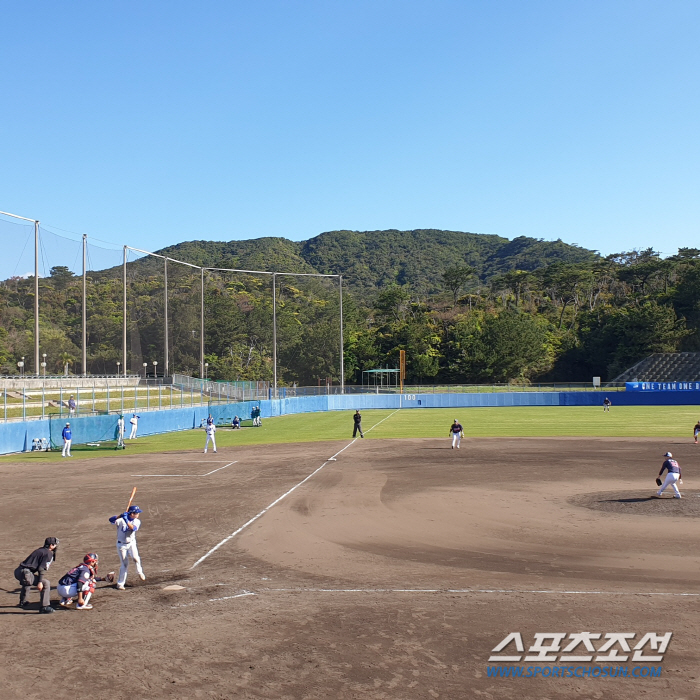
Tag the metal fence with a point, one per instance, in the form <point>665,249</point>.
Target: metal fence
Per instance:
<point>37,401</point>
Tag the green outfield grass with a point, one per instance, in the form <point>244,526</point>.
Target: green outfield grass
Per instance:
<point>516,421</point>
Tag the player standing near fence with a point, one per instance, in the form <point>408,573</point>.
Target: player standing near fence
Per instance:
<point>134,426</point>
<point>210,429</point>
<point>67,436</point>
<point>120,433</point>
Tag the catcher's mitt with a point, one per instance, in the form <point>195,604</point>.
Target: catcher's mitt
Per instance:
<point>658,481</point>
<point>110,577</point>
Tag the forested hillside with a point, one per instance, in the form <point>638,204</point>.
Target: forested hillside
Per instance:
<point>465,307</point>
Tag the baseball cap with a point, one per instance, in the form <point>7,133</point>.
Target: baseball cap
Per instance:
<point>668,454</point>
<point>51,540</point>
<point>67,424</point>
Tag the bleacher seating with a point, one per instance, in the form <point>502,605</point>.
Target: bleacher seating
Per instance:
<point>664,367</point>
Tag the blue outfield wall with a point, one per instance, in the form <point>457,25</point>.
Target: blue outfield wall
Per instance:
<point>17,436</point>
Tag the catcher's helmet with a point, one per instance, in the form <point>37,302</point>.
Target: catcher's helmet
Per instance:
<point>91,559</point>
<point>134,509</point>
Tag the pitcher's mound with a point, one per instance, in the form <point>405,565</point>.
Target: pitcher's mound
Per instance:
<point>641,503</point>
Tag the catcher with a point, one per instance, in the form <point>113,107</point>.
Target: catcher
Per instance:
<point>457,432</point>
<point>80,581</point>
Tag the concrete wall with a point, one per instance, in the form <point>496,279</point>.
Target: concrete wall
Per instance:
<point>17,436</point>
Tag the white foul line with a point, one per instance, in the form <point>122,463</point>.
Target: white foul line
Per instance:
<point>473,590</point>
<point>190,475</point>
<point>284,495</point>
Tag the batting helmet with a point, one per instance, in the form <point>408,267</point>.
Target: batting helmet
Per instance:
<point>134,509</point>
<point>668,454</point>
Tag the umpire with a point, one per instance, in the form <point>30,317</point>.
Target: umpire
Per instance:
<point>32,572</point>
<point>357,420</point>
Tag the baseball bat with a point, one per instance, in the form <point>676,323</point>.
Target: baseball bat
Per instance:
<point>131,500</point>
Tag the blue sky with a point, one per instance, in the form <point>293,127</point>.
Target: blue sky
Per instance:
<point>150,123</point>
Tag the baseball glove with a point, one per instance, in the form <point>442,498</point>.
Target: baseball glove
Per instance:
<point>110,577</point>
<point>658,481</point>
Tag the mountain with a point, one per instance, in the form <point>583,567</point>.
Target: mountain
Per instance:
<point>373,259</point>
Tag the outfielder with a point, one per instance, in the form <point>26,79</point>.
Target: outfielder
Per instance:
<point>457,432</point>
<point>80,581</point>
<point>673,477</point>
<point>128,524</point>
<point>210,429</point>
<point>67,436</point>
<point>134,426</point>
<point>606,405</point>
<point>255,415</point>
<point>32,572</point>
<point>696,431</point>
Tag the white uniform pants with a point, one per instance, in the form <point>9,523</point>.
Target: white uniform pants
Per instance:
<point>134,427</point>
<point>70,591</point>
<point>210,437</point>
<point>456,439</point>
<point>66,448</point>
<point>671,480</point>
<point>124,551</point>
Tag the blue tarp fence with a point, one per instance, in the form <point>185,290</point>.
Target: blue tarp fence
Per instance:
<point>17,436</point>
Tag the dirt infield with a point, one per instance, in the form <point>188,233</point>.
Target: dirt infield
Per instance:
<point>392,572</point>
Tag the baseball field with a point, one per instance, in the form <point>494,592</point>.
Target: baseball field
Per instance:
<point>298,563</point>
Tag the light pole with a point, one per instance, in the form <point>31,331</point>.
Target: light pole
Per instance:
<point>145,365</point>
<point>20,364</point>
<point>118,365</point>
<point>206,370</point>
<point>155,368</point>
<point>43,365</point>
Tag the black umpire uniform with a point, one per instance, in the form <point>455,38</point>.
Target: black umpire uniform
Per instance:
<point>33,570</point>
<point>357,419</point>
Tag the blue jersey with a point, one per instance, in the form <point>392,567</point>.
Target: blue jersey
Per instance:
<point>67,435</point>
<point>672,467</point>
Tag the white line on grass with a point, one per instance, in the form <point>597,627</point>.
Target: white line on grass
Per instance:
<point>191,475</point>
<point>283,496</point>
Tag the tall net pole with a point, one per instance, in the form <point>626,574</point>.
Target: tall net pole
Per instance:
<point>201,333</point>
<point>36,298</point>
<point>84,305</point>
<point>274,334</point>
<point>342,351</point>
<point>124,313</point>
<point>166,368</point>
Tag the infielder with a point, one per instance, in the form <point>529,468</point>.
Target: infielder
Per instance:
<point>134,426</point>
<point>128,524</point>
<point>80,581</point>
<point>457,432</point>
<point>673,477</point>
<point>210,429</point>
<point>32,572</point>
<point>696,431</point>
<point>120,433</point>
<point>67,436</point>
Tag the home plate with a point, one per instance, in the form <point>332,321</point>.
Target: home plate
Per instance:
<point>174,587</point>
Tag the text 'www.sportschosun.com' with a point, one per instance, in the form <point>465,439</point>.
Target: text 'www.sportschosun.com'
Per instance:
<point>632,672</point>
